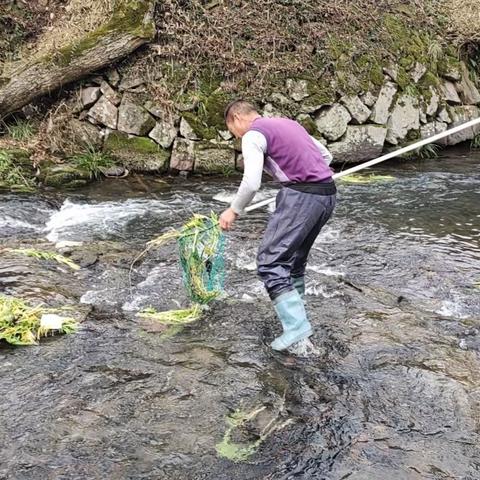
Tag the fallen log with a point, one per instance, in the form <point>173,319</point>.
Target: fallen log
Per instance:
<point>130,26</point>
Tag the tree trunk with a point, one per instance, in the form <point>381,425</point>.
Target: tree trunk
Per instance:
<point>130,27</point>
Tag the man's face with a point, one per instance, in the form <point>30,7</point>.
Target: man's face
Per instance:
<point>236,126</point>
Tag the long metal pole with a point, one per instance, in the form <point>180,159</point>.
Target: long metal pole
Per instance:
<point>388,156</point>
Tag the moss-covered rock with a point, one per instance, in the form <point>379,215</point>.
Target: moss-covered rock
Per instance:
<point>140,154</point>
<point>64,176</point>
<point>200,128</point>
<point>211,158</point>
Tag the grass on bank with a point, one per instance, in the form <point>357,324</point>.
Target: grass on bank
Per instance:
<point>92,161</point>
<point>11,174</point>
<point>20,130</point>
<point>475,144</point>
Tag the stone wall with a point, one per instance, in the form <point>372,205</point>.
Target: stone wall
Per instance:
<point>115,114</point>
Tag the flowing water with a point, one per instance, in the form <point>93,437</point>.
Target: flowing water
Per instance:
<point>392,390</point>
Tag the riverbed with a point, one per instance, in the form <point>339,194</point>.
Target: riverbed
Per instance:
<point>392,390</point>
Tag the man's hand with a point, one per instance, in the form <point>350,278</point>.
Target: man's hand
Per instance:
<point>227,218</point>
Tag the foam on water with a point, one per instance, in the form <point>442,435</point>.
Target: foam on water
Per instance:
<point>452,309</point>
<point>304,348</point>
<point>102,219</point>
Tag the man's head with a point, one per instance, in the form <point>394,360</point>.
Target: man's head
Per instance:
<point>239,115</point>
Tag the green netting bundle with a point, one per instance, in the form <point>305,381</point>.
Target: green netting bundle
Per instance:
<point>201,250</point>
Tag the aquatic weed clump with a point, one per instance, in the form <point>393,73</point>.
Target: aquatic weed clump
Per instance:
<point>21,324</point>
<point>42,255</point>
<point>201,245</point>
<point>363,179</point>
<point>201,248</point>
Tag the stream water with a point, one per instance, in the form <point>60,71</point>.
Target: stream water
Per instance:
<point>392,392</point>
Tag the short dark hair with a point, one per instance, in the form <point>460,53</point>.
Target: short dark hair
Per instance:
<point>238,106</point>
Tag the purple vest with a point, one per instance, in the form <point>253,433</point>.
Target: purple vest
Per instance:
<point>291,154</point>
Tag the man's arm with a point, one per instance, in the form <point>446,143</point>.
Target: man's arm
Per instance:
<point>323,150</point>
<point>254,146</point>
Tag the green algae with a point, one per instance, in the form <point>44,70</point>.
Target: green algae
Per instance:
<point>366,179</point>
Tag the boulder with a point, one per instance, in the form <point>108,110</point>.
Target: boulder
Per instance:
<point>297,89</point>
<point>65,176</point>
<point>279,99</point>
<point>368,99</point>
<point>391,71</point>
<point>270,111</point>
<point>358,110</point>
<point>225,135</point>
<point>419,70</point>
<point>332,121</point>
<point>361,142</point>
<point>444,116</point>
<point>134,119</point>
<point>404,118</point>
<point>130,83</point>
<point>462,115</point>
<point>423,114</point>
<point>451,71</point>
<point>213,158</point>
<point>449,93</point>
<point>382,106</point>
<point>110,94</point>
<point>139,154</point>
<point>104,113</point>
<point>432,128</point>
<point>89,96</point>
<point>186,130</point>
<point>164,132</point>
<point>161,112</point>
<point>85,134</point>
<point>182,155</point>
<point>433,104</point>
<point>113,77</point>
<point>467,90</point>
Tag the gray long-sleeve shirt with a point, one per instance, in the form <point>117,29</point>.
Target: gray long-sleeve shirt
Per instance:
<point>254,149</point>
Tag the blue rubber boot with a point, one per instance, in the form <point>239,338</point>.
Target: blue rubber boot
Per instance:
<point>291,312</point>
<point>299,284</point>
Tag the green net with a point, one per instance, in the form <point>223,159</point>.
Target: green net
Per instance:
<point>201,249</point>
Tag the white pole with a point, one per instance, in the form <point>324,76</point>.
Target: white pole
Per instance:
<point>388,156</point>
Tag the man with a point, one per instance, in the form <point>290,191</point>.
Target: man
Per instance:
<point>285,150</point>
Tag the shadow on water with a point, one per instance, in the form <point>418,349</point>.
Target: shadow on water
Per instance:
<point>393,391</point>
